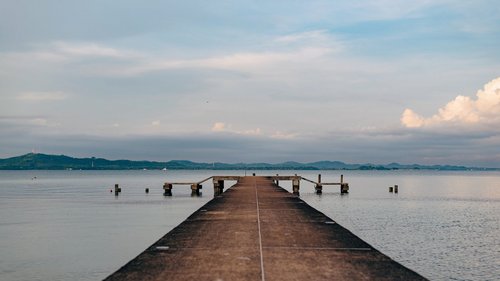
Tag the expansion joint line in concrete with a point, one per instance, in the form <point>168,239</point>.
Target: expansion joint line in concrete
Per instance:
<point>260,235</point>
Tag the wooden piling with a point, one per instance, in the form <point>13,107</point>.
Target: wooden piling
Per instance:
<point>391,189</point>
<point>167,189</point>
<point>296,185</point>
<point>147,190</point>
<point>319,187</point>
<point>218,186</point>
<point>195,189</point>
<point>344,187</point>
<point>117,189</point>
<point>396,188</point>
<point>221,186</point>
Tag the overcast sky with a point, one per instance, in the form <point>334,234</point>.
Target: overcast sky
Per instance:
<point>252,81</point>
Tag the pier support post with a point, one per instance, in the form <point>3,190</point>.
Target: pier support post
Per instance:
<point>396,188</point>
<point>218,186</point>
<point>167,189</point>
<point>277,181</point>
<point>195,189</point>
<point>221,186</point>
<point>344,187</point>
<point>117,189</point>
<point>296,185</point>
<point>319,186</point>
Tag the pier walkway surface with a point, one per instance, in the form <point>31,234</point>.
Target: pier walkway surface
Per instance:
<point>256,230</point>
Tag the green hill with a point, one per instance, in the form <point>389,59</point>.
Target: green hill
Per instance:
<point>38,161</point>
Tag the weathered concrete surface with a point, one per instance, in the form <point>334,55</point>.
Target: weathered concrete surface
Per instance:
<point>258,231</point>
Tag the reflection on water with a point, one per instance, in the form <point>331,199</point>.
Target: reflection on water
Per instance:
<point>67,225</point>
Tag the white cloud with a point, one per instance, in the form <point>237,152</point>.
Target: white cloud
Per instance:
<point>219,127</point>
<point>412,120</point>
<point>316,35</point>
<point>62,52</point>
<point>39,122</point>
<point>463,111</point>
<point>292,48</point>
<point>91,49</point>
<point>42,96</point>
<point>283,135</point>
<point>243,61</point>
<point>251,132</point>
<point>27,121</point>
<point>138,63</point>
<point>223,127</point>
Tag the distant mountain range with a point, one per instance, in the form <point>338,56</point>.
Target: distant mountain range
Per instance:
<point>38,161</point>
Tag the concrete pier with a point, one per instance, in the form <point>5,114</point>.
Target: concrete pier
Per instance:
<point>256,230</point>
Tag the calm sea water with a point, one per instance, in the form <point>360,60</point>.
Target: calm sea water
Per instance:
<point>66,225</point>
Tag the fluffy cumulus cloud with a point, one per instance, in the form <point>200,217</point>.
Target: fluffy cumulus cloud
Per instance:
<point>463,111</point>
<point>219,127</point>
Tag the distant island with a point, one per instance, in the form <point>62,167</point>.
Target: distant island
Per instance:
<point>39,161</point>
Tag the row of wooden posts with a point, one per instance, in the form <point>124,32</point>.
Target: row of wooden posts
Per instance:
<point>218,183</point>
<point>219,186</point>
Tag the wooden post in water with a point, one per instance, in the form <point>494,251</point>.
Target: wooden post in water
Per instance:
<point>296,185</point>
<point>147,190</point>
<point>391,189</point>
<point>195,189</point>
<point>167,187</point>
<point>117,190</point>
<point>319,186</point>
<point>344,187</point>
<point>218,186</point>
<point>396,188</point>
